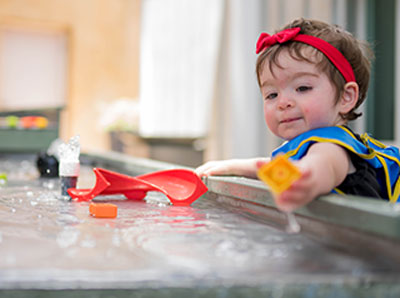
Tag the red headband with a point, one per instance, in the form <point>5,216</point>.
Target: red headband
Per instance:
<point>333,54</point>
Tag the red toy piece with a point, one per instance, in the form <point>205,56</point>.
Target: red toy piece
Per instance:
<point>182,187</point>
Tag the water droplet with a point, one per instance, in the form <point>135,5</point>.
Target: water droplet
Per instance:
<point>67,237</point>
<point>278,253</point>
<point>88,243</point>
<point>49,184</point>
<point>116,240</point>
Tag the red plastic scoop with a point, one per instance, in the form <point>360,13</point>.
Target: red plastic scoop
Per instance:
<point>182,187</point>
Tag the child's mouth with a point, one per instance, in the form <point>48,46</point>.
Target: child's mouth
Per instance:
<point>289,120</point>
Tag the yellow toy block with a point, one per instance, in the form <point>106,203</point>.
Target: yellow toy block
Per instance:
<point>279,174</point>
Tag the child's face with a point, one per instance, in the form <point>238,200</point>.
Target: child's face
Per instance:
<point>297,97</point>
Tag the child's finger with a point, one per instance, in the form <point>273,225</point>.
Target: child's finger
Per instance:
<point>289,201</point>
<point>214,168</point>
<point>302,182</point>
<point>205,168</point>
<point>260,163</point>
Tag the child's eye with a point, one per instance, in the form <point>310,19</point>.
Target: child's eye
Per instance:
<point>304,88</point>
<point>271,96</point>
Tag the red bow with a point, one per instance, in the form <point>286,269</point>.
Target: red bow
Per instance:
<point>265,40</point>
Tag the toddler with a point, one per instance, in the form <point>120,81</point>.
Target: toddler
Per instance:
<point>313,76</point>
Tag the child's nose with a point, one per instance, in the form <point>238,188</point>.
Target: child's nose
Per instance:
<point>285,102</point>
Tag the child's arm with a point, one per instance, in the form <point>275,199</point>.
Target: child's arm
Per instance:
<point>323,168</point>
<point>237,167</point>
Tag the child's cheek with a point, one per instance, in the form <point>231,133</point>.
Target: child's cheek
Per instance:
<point>306,111</point>
<point>310,112</point>
<point>268,115</point>
<point>272,122</point>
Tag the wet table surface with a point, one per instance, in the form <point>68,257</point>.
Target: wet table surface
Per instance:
<point>49,242</point>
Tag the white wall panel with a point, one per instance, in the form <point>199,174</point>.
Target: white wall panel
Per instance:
<point>33,69</point>
<point>180,42</point>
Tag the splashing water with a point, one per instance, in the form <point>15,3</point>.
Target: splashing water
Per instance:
<point>293,226</point>
<point>70,151</point>
<point>69,165</point>
<point>156,198</point>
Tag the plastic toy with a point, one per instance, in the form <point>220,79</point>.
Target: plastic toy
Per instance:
<point>28,122</point>
<point>12,121</point>
<point>3,179</point>
<point>41,122</point>
<point>47,165</point>
<point>181,186</point>
<point>33,122</point>
<point>103,210</point>
<point>279,174</point>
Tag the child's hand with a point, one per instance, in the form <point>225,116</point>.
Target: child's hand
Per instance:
<point>297,195</point>
<point>323,168</point>
<point>237,167</point>
<point>219,167</point>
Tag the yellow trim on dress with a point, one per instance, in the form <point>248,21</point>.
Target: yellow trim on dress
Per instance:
<point>339,191</point>
<point>372,154</point>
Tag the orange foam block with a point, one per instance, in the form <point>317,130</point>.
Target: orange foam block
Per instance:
<point>103,210</point>
<point>279,174</point>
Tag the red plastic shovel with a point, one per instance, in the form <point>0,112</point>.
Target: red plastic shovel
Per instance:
<point>182,187</point>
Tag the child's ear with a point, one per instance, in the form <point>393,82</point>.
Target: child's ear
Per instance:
<point>349,97</point>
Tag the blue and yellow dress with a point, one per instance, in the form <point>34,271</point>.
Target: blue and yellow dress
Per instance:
<point>377,166</point>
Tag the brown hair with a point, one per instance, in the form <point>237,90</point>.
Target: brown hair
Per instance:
<point>357,52</point>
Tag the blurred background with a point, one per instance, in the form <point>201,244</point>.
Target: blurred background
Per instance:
<point>172,80</point>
